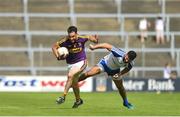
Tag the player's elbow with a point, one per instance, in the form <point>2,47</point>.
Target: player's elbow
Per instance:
<point>128,69</point>
<point>54,49</point>
<point>107,46</point>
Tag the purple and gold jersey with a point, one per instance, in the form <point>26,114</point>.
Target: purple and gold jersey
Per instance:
<point>76,49</point>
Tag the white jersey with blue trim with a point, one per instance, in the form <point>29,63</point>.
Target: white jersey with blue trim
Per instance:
<point>114,60</point>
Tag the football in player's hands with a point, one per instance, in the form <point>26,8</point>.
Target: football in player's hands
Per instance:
<point>63,53</point>
<point>96,37</point>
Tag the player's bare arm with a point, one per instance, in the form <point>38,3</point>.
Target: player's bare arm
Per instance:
<point>54,49</point>
<point>101,46</point>
<point>121,73</point>
<point>124,71</point>
<point>56,53</point>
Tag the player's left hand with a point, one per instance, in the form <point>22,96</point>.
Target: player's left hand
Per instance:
<point>96,37</point>
<point>63,57</point>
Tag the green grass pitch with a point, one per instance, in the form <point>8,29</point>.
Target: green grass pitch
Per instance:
<point>95,104</point>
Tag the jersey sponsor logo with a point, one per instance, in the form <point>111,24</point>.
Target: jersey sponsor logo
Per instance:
<point>75,50</point>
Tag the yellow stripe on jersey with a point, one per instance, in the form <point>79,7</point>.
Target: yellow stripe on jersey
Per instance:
<point>61,41</point>
<point>84,36</point>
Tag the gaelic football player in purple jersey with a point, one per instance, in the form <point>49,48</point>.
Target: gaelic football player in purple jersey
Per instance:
<point>76,60</point>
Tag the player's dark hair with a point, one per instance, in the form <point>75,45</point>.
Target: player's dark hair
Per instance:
<point>132,55</point>
<point>72,29</point>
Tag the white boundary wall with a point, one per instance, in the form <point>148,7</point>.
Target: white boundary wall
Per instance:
<point>39,84</point>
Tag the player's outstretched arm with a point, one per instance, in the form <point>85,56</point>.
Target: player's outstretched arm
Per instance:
<point>101,46</point>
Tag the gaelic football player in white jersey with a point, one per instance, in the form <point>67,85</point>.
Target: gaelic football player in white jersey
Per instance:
<point>115,64</point>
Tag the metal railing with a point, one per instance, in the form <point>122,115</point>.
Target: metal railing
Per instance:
<point>34,69</point>
<point>74,16</point>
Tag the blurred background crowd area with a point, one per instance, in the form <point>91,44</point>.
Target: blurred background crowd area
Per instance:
<point>28,28</point>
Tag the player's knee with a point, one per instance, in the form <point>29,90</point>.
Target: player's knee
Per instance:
<point>75,85</point>
<point>84,75</point>
<point>120,87</point>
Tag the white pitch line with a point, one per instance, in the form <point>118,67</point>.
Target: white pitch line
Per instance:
<point>9,107</point>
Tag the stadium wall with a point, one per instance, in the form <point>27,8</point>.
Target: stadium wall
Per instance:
<point>157,85</point>
<point>100,84</point>
<point>39,84</point>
